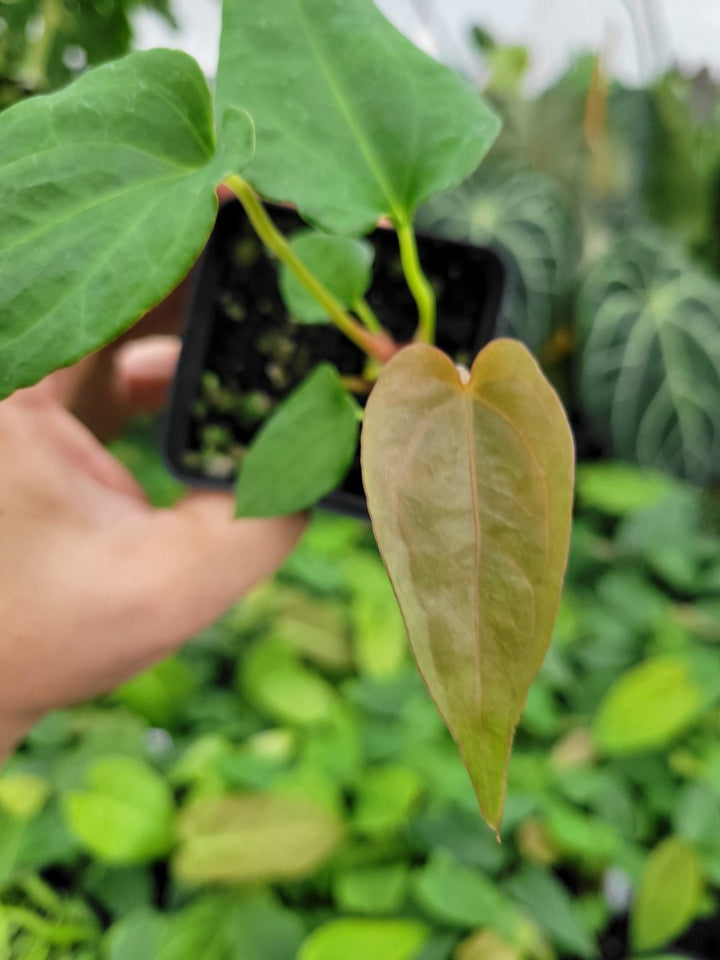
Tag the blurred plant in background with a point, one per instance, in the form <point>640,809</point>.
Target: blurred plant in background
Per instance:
<point>284,787</point>
<point>606,202</point>
<point>44,43</point>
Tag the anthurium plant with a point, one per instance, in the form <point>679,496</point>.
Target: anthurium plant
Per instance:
<point>108,192</point>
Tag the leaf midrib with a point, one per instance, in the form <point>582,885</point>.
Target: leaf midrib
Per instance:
<point>472,466</point>
<point>373,162</point>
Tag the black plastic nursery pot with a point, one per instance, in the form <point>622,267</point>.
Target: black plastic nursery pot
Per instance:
<point>242,354</point>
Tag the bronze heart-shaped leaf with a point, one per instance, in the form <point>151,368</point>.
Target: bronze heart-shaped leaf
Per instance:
<point>469,480</point>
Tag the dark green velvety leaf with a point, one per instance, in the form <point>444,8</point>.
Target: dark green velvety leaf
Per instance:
<point>353,121</point>
<point>303,451</point>
<point>469,485</point>
<point>649,329</point>
<point>525,214</point>
<point>107,195</point>
<point>342,264</point>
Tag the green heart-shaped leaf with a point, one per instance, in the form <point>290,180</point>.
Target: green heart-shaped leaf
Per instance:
<point>353,121</point>
<point>469,487</point>
<point>107,195</point>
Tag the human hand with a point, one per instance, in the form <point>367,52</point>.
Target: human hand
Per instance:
<point>95,584</point>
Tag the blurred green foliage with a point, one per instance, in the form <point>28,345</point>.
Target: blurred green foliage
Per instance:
<point>283,787</point>
<point>44,43</point>
<point>606,203</point>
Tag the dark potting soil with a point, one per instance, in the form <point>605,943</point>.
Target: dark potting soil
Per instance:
<point>242,354</point>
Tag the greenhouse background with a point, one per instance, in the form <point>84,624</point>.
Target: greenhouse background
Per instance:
<point>283,787</point>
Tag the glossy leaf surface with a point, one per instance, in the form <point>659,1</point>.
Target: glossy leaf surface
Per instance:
<point>343,265</point>
<point>253,837</point>
<point>353,121</point>
<point>669,896</point>
<point>303,451</point>
<point>107,195</point>
<point>469,488</point>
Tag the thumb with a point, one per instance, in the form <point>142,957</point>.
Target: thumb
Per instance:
<point>144,370</point>
<point>206,560</point>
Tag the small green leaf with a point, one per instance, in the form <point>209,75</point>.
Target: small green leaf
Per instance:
<point>107,195</point>
<point>379,640</point>
<point>276,681</point>
<point>160,693</point>
<point>581,835</point>
<point>126,815</point>
<point>233,926</point>
<point>669,897</point>
<point>137,936</point>
<point>549,904</point>
<point>23,795</point>
<point>385,799</point>
<point>361,939</point>
<point>469,488</point>
<point>696,816</point>
<point>253,837</point>
<point>342,264</point>
<point>353,121</point>
<point>303,451</point>
<point>648,706</point>
<point>120,890</point>
<point>371,889</point>
<point>458,896</point>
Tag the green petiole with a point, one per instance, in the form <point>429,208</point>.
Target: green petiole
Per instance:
<point>276,242</point>
<point>417,282</point>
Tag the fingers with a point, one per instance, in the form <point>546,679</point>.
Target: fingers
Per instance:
<point>204,560</point>
<point>144,370</point>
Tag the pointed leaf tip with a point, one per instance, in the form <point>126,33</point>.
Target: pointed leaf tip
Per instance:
<point>469,489</point>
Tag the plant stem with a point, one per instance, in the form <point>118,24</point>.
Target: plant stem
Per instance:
<point>41,894</point>
<point>366,313</point>
<point>62,934</point>
<point>276,242</point>
<point>357,385</point>
<point>35,71</point>
<point>417,282</point>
